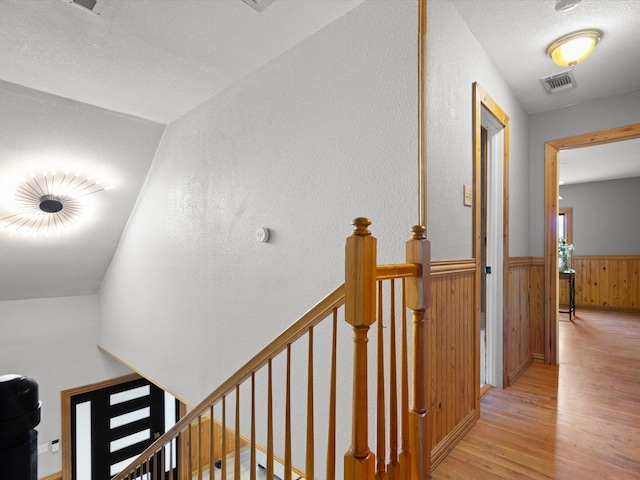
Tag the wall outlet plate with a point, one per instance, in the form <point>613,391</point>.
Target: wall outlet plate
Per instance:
<point>468,196</point>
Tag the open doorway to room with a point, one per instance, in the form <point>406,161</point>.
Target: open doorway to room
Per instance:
<point>491,182</point>
<point>552,210</point>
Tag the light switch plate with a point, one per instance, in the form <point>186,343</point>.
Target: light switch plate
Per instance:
<point>44,448</point>
<point>468,196</point>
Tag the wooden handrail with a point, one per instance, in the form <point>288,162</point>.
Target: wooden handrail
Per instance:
<point>313,317</point>
<point>361,251</point>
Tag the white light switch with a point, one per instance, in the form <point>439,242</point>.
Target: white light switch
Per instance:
<point>468,196</point>
<point>43,449</point>
<point>55,445</point>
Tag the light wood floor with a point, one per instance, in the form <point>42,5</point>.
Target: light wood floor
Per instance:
<point>578,421</point>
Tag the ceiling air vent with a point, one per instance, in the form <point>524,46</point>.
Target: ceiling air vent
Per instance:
<point>258,5</point>
<point>91,6</point>
<point>559,82</point>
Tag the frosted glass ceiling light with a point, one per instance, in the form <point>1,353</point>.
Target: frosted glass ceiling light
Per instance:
<point>574,48</point>
<point>49,202</point>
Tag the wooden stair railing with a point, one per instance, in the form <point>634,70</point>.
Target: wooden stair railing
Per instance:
<point>239,414</point>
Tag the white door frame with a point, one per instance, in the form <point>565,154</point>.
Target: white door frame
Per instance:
<point>486,112</point>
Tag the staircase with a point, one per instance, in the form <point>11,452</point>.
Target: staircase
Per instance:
<point>285,414</point>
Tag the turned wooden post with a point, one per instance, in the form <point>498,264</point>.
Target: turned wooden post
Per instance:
<point>418,294</point>
<point>360,308</point>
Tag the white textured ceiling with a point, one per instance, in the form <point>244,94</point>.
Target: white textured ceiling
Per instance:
<point>516,34</point>
<point>155,59</point>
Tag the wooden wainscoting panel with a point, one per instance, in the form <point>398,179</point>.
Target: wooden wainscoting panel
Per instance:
<point>516,332</point>
<point>610,282</point>
<point>452,352</point>
<point>536,308</point>
<point>524,323</point>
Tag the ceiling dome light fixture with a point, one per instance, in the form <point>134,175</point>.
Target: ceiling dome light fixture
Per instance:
<point>574,48</point>
<point>50,202</point>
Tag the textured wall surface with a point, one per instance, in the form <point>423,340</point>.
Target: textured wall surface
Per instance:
<point>53,341</point>
<point>455,61</point>
<point>602,114</point>
<point>324,133</point>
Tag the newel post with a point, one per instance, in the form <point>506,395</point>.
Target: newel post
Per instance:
<point>418,295</point>
<point>360,301</point>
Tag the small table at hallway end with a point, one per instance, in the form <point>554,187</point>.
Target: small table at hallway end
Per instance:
<point>570,276</point>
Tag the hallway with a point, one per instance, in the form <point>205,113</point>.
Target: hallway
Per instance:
<point>578,421</point>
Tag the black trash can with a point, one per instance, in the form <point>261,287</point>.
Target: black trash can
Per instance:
<point>19,415</point>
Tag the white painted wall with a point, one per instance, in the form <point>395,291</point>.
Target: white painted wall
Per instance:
<point>606,217</point>
<point>322,134</point>
<point>601,114</point>
<point>53,341</point>
<point>456,60</point>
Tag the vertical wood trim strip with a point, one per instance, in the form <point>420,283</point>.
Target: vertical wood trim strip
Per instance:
<point>422,112</point>
<point>551,326</point>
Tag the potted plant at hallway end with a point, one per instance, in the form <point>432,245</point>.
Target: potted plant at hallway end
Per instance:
<point>564,256</point>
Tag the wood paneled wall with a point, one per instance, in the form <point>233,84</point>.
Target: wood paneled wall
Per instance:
<point>607,282</point>
<point>524,325</point>
<point>452,346</point>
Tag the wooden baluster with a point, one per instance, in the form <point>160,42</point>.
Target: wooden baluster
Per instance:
<point>254,463</point>
<point>393,388</point>
<point>418,300</point>
<point>287,420</point>
<point>199,447</point>
<point>212,444</point>
<point>270,422</point>
<point>190,454</point>
<point>171,469</point>
<point>360,299</point>
<point>405,455</point>
<point>381,453</point>
<point>223,452</point>
<point>331,435</point>
<point>309,470</point>
<point>236,455</point>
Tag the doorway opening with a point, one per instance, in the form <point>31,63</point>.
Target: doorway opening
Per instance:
<point>491,174</point>
<point>551,211</point>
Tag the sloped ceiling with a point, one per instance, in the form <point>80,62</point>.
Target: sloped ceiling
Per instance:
<point>147,62</point>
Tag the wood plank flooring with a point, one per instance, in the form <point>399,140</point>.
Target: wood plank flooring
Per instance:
<point>576,421</point>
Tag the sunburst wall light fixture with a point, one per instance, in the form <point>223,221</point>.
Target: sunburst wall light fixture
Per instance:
<point>50,201</point>
<point>574,48</point>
